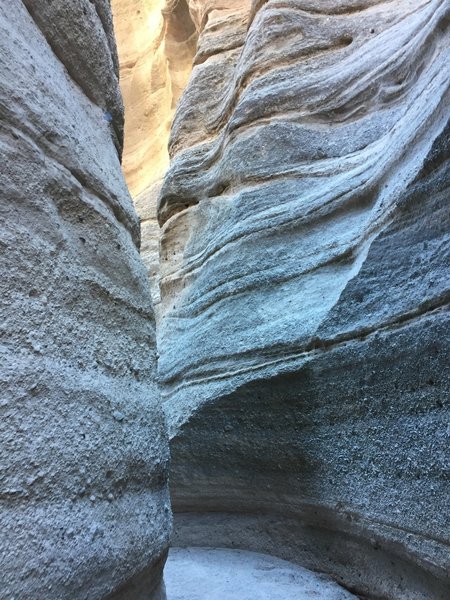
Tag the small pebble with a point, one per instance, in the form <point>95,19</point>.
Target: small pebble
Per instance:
<point>118,415</point>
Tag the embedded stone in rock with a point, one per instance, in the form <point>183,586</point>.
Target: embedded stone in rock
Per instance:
<point>85,507</point>
<point>304,328</point>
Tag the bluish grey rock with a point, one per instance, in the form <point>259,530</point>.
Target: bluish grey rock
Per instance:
<point>85,510</point>
<point>304,331</point>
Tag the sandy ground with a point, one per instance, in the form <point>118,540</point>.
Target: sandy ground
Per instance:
<point>220,574</point>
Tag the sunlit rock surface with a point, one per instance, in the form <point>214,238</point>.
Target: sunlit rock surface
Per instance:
<point>156,40</point>
<point>304,331</point>
<point>84,502</point>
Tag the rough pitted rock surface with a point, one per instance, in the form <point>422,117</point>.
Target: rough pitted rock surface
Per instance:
<point>304,332</point>
<point>84,502</point>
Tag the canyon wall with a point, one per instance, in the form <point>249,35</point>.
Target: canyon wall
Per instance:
<point>304,324</point>
<point>85,506</point>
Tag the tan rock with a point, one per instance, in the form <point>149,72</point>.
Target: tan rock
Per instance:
<point>156,42</point>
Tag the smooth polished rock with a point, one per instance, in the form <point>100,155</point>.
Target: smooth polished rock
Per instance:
<point>218,574</point>
<point>85,509</point>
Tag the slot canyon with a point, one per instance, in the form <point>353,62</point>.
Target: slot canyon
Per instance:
<point>225,291</point>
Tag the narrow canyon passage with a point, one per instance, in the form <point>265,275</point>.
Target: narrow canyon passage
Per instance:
<point>225,291</point>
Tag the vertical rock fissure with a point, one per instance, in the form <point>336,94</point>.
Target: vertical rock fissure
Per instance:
<point>156,42</point>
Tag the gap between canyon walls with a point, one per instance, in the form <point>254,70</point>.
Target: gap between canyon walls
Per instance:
<point>156,41</point>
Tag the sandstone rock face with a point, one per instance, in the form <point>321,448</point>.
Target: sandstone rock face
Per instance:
<point>304,330</point>
<point>85,509</point>
<point>156,42</point>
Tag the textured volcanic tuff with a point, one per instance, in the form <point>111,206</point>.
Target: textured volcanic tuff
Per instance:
<point>85,509</point>
<point>304,331</point>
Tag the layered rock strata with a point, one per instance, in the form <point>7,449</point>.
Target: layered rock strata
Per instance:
<point>85,508</point>
<point>304,329</point>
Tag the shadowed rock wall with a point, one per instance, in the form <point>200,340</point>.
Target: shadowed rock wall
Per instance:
<point>304,330</point>
<point>85,507</point>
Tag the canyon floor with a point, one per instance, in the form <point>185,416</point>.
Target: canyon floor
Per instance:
<point>223,574</point>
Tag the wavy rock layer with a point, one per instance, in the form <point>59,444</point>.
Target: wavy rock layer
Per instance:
<point>85,509</point>
<point>305,289</point>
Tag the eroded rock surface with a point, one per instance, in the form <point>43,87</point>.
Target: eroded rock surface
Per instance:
<point>304,330</point>
<point>85,509</point>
